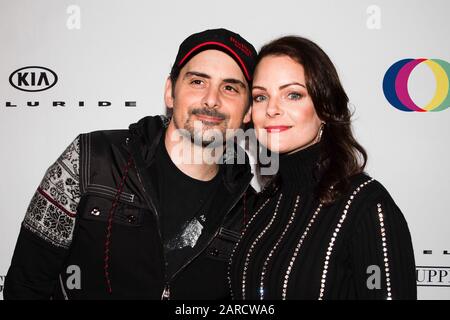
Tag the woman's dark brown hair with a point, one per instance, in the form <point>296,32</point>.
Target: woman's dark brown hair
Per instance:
<point>341,155</point>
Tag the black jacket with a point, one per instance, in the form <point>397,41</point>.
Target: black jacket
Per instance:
<point>71,259</point>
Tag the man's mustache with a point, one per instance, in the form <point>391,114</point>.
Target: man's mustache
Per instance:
<point>209,113</point>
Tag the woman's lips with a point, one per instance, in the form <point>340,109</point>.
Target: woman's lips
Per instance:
<point>275,129</point>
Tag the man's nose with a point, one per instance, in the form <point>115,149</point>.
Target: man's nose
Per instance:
<point>211,98</point>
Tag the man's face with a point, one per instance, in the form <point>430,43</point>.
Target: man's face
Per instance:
<point>211,93</point>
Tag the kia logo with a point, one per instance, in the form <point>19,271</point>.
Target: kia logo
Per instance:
<point>33,79</point>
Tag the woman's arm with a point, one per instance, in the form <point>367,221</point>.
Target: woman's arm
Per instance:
<point>382,255</point>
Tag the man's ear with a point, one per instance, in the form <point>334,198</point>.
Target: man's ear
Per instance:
<point>248,115</point>
<point>168,97</point>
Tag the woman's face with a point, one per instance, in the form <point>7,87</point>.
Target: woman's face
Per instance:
<point>283,113</point>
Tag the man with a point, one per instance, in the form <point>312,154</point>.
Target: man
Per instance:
<point>120,214</point>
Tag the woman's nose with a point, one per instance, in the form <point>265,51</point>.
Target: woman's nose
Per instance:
<point>273,109</point>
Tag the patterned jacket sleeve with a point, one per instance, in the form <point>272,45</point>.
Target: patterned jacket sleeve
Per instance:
<point>47,230</point>
<point>382,252</point>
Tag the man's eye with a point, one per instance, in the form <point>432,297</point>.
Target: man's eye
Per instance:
<point>259,98</point>
<point>294,96</point>
<point>197,82</point>
<point>230,88</point>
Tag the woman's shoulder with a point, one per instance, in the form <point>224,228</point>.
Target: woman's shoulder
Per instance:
<point>367,188</point>
<point>370,198</point>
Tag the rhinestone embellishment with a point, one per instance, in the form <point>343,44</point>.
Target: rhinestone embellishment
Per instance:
<point>385,252</point>
<point>255,242</point>
<point>275,247</point>
<point>296,251</point>
<point>230,261</point>
<point>335,234</point>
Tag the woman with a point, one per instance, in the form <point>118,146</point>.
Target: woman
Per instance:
<point>323,228</point>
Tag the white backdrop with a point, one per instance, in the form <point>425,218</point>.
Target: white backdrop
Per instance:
<point>118,51</point>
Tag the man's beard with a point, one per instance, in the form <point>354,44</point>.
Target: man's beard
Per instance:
<point>203,133</point>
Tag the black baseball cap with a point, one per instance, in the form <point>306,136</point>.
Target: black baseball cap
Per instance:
<point>224,40</point>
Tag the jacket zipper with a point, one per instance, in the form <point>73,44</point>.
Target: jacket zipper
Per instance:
<point>166,292</point>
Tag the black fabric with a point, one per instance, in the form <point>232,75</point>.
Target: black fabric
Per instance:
<point>31,276</point>
<point>357,241</point>
<point>184,203</point>
<point>39,270</point>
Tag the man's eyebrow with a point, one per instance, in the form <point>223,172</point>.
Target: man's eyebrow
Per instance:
<point>196,74</point>
<point>207,76</point>
<point>235,81</point>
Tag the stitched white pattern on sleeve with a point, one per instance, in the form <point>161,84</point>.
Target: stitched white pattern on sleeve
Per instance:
<point>52,210</point>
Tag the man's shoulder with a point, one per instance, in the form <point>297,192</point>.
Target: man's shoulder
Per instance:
<point>108,135</point>
<point>141,127</point>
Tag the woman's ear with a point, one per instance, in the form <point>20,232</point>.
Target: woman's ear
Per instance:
<point>168,94</point>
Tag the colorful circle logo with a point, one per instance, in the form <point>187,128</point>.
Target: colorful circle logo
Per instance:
<point>395,85</point>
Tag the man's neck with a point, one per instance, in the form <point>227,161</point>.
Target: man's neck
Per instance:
<point>195,161</point>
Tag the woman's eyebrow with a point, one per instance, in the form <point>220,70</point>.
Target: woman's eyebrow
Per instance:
<point>259,87</point>
<point>282,87</point>
<point>291,84</point>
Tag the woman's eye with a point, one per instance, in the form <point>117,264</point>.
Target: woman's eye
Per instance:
<point>294,96</point>
<point>259,98</point>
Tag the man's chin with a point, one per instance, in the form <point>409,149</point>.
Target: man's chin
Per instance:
<point>207,143</point>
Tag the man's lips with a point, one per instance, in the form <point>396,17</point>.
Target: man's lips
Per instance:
<point>275,129</point>
<point>205,118</point>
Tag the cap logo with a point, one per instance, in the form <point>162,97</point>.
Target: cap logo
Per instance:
<point>241,46</point>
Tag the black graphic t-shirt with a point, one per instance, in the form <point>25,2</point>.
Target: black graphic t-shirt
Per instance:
<point>183,204</point>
